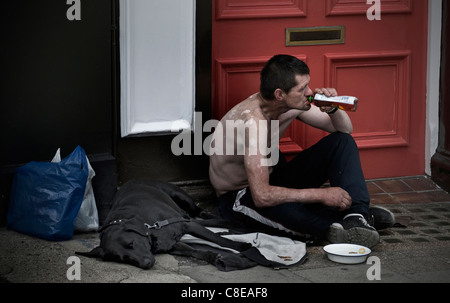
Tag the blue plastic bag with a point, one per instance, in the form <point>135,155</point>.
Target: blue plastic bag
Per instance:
<point>46,197</point>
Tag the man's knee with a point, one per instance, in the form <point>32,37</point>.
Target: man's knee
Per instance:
<point>341,138</point>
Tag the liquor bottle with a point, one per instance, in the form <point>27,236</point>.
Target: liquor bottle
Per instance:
<point>347,103</point>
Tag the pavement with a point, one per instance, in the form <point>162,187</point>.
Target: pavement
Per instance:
<point>415,250</point>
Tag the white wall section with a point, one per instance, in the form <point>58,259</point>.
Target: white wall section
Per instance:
<point>157,61</point>
<point>433,80</point>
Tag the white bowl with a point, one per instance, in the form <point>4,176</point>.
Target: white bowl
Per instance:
<point>347,253</point>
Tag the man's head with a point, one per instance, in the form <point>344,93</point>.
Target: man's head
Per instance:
<point>280,72</point>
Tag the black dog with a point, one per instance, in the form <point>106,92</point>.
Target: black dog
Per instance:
<point>149,217</point>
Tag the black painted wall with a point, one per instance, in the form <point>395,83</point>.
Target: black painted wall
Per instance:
<point>440,162</point>
<point>60,87</point>
<point>56,80</point>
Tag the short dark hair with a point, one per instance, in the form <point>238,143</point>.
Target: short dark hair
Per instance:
<point>280,72</point>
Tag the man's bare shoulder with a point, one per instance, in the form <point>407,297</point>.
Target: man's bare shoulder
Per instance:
<point>246,109</point>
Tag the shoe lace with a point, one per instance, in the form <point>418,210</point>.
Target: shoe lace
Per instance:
<point>364,221</point>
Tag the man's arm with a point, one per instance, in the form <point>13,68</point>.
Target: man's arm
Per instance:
<point>266,195</point>
<point>318,118</point>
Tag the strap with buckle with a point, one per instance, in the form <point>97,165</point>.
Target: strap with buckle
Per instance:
<point>160,224</point>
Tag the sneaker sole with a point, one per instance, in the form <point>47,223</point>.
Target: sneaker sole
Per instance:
<point>363,236</point>
<point>355,235</point>
<point>337,234</point>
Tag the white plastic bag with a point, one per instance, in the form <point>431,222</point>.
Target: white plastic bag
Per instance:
<point>87,218</point>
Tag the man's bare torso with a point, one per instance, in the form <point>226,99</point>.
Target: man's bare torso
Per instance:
<point>227,171</point>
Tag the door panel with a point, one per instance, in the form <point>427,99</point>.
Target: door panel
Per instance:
<point>381,81</point>
<point>237,9</point>
<point>383,63</point>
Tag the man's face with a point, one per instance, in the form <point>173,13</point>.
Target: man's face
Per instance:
<point>297,96</point>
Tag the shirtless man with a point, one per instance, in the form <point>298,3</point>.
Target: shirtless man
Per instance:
<point>288,195</point>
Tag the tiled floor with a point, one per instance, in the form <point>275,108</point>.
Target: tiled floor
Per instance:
<point>420,189</point>
<point>421,208</point>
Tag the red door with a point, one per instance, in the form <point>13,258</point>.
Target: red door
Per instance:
<point>382,62</point>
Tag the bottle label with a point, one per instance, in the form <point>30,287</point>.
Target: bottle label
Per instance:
<point>339,99</point>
